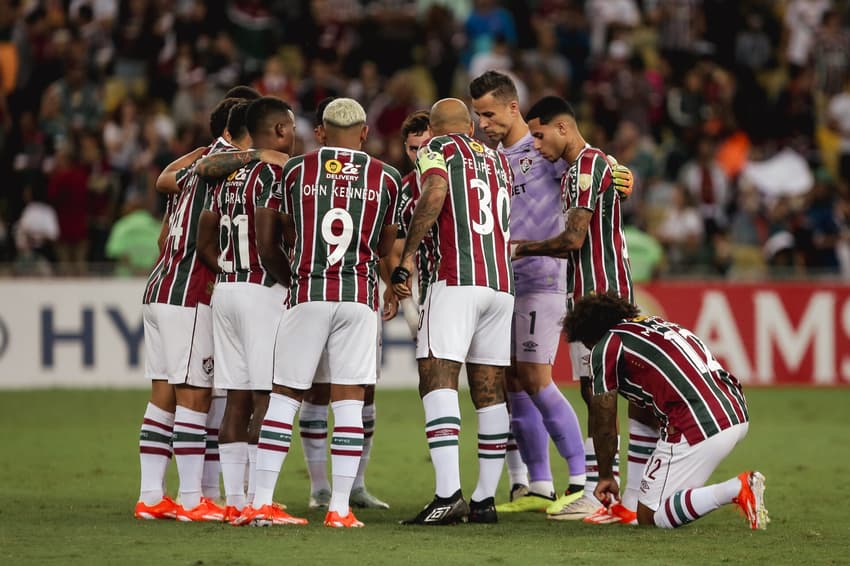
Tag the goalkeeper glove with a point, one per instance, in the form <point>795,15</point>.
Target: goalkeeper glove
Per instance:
<point>623,179</point>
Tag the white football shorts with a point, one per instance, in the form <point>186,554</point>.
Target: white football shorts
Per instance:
<point>245,319</point>
<point>466,323</point>
<point>679,465</point>
<point>336,341</point>
<point>178,344</point>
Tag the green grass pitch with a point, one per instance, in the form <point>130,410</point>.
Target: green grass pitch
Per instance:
<point>69,479</point>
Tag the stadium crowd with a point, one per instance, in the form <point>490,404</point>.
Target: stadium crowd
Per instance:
<point>733,115</point>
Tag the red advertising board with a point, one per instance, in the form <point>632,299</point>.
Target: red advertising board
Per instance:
<point>765,334</point>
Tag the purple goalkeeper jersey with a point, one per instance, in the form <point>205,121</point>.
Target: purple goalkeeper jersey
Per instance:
<point>537,213</point>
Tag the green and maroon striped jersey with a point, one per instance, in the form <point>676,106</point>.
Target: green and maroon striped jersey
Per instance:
<point>235,200</point>
<point>427,256</point>
<point>660,365</point>
<point>602,263</point>
<point>179,277</point>
<point>339,200</point>
<point>472,234</point>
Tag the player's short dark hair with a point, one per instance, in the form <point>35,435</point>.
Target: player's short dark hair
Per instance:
<point>594,315</point>
<point>262,110</point>
<point>320,110</point>
<point>218,118</point>
<point>500,84</point>
<point>236,123</point>
<point>244,92</point>
<point>548,108</point>
<point>415,123</point>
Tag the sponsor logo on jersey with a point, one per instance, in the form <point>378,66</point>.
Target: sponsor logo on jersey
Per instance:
<point>584,181</point>
<point>339,171</point>
<point>475,146</point>
<point>525,164</point>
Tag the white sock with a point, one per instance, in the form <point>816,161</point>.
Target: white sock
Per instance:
<point>275,439</point>
<point>189,443</point>
<point>442,428</point>
<point>368,433</point>
<point>251,474</point>
<point>690,504</point>
<point>234,462</point>
<point>591,468</point>
<point>154,453</point>
<point>517,470</point>
<point>542,487</point>
<point>642,441</point>
<point>493,429</point>
<point>346,449</point>
<point>212,464</point>
<point>313,425</point>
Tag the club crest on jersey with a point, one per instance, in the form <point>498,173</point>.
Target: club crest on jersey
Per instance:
<point>208,365</point>
<point>584,181</point>
<point>475,146</point>
<point>525,164</point>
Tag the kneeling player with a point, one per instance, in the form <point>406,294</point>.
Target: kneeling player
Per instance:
<point>659,364</point>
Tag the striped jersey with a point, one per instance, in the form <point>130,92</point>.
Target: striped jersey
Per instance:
<point>235,200</point>
<point>179,277</point>
<point>661,365</point>
<point>602,263</point>
<point>472,233</point>
<point>427,256</point>
<point>536,214</point>
<point>339,200</point>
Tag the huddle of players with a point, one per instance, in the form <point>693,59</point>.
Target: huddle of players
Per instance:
<point>454,216</point>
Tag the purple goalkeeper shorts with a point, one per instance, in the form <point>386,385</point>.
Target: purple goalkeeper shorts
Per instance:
<point>537,327</point>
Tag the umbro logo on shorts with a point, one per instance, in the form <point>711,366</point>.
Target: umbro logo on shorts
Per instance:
<point>530,346</point>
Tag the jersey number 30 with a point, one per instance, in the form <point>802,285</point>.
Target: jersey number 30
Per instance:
<point>486,224</point>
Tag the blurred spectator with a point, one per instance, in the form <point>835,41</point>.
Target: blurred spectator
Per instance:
<point>796,103</point>
<point>254,31</point>
<point>132,241</point>
<point>103,192</point>
<point>802,18</point>
<point>605,14</point>
<point>646,256</point>
<point>753,49</point>
<point>838,115</point>
<point>274,80</point>
<point>121,136</point>
<point>195,99</point>
<point>708,186</point>
<point>67,192</point>
<point>831,54</point>
<point>681,231</point>
<point>320,84</point>
<point>35,234</point>
<point>487,22</point>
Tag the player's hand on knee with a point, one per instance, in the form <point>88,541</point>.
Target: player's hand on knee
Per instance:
<point>390,304</point>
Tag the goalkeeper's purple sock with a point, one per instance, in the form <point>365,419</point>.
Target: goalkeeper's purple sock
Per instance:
<point>561,423</point>
<point>531,436</point>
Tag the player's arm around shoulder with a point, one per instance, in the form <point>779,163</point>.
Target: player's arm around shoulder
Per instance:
<point>169,180</point>
<point>216,166</point>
